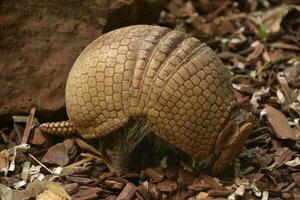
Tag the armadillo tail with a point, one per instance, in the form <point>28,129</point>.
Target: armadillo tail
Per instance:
<point>58,128</point>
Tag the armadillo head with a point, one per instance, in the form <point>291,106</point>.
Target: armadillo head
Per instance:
<point>232,138</point>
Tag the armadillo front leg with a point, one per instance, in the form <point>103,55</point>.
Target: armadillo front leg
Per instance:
<point>117,147</point>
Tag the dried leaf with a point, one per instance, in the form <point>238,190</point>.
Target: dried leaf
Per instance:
<point>198,186</point>
<point>5,158</point>
<point>258,50</point>
<point>49,195</point>
<point>270,20</point>
<point>202,196</point>
<point>87,193</point>
<point>219,193</point>
<point>257,96</point>
<point>38,137</point>
<point>57,155</point>
<point>155,175</point>
<point>25,170</point>
<point>265,195</point>
<point>240,191</point>
<point>114,184</point>
<point>80,180</point>
<point>296,177</point>
<point>185,10</point>
<point>33,189</point>
<point>19,184</point>
<point>285,88</point>
<point>86,146</point>
<point>293,163</point>
<point>167,186</point>
<point>280,124</point>
<point>283,45</point>
<point>57,189</point>
<point>128,192</point>
<point>283,155</point>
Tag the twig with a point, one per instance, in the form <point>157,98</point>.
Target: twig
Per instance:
<point>269,64</point>
<point>36,160</point>
<point>241,76</point>
<point>29,126</point>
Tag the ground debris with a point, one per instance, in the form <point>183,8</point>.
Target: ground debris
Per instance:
<point>259,42</point>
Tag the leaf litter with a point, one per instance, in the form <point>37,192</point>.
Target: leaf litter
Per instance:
<point>259,41</point>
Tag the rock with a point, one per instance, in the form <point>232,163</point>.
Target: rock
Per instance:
<point>39,42</point>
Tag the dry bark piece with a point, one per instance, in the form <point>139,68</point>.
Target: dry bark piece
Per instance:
<point>199,186</point>
<point>49,195</point>
<point>255,176</point>
<point>154,191</point>
<point>80,180</point>
<point>29,126</point>
<point>17,134</point>
<point>114,184</point>
<point>280,124</point>
<point>171,172</point>
<point>211,181</point>
<point>183,10</point>
<point>155,174</point>
<point>186,177</point>
<point>5,158</point>
<point>167,186</point>
<point>128,192</point>
<point>57,189</point>
<point>219,193</point>
<point>59,154</point>
<point>283,155</point>
<point>34,188</point>
<point>283,45</point>
<point>87,194</point>
<point>38,137</point>
<point>296,178</point>
<point>71,188</point>
<point>142,193</point>
<point>271,19</point>
<point>202,195</point>
<point>258,49</point>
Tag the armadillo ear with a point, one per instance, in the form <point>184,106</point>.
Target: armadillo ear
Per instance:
<point>232,147</point>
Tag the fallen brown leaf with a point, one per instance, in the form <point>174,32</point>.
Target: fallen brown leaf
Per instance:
<point>202,196</point>
<point>280,124</point>
<point>49,195</point>
<point>128,192</point>
<point>258,50</point>
<point>296,177</point>
<point>57,189</point>
<point>60,153</point>
<point>271,19</point>
<point>32,190</point>
<point>167,186</point>
<point>283,155</point>
<point>155,175</point>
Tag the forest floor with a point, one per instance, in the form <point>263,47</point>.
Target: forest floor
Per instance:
<point>259,41</point>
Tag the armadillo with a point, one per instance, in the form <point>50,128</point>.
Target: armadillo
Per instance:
<point>169,83</point>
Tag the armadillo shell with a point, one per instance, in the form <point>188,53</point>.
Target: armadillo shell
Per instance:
<point>173,81</point>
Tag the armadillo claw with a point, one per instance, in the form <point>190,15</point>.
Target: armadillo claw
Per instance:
<point>232,147</point>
